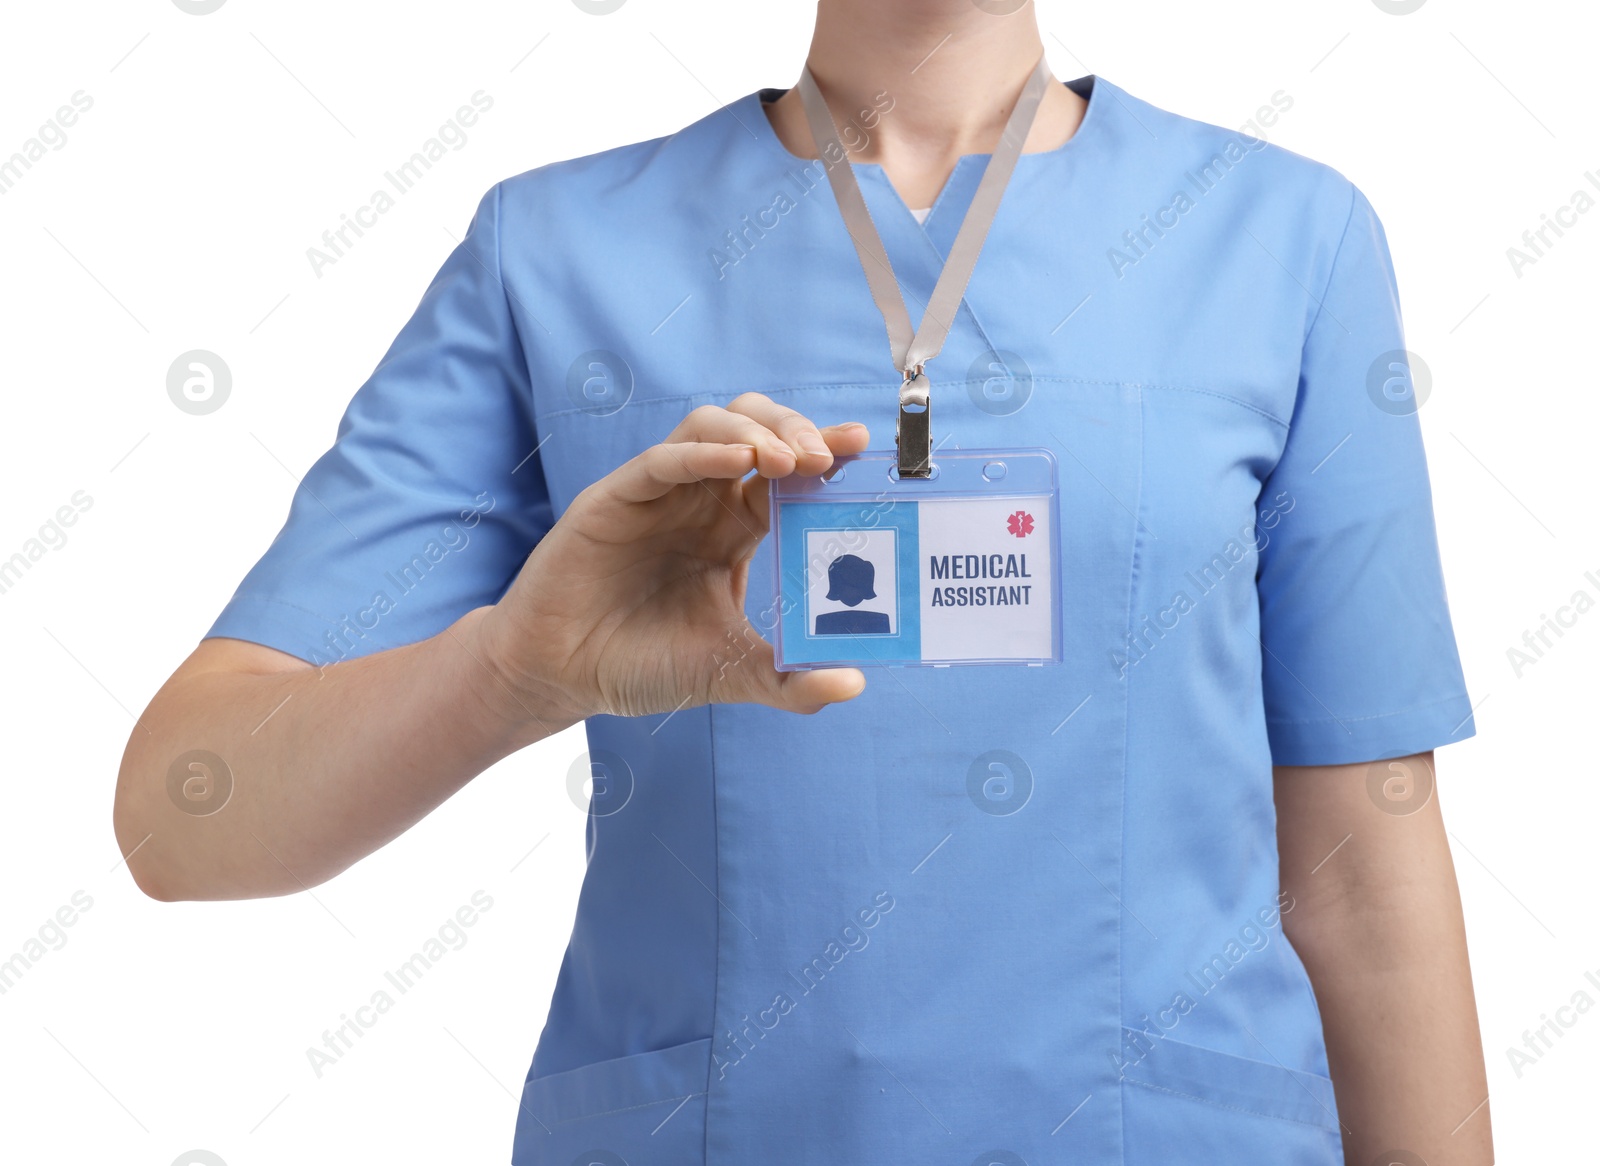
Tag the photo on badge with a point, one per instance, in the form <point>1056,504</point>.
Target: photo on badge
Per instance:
<point>851,581</point>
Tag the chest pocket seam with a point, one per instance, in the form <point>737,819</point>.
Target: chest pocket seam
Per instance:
<point>690,400</point>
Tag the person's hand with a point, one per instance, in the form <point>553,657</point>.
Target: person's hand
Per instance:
<point>633,603</point>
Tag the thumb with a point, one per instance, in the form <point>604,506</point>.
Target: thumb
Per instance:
<point>752,677</point>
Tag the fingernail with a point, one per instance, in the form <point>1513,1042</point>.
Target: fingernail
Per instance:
<point>811,441</point>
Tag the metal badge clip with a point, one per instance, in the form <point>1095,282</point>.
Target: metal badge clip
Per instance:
<point>913,434</point>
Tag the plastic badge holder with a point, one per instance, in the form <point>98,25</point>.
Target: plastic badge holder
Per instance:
<point>958,568</point>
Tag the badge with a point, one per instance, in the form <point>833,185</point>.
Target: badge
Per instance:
<point>956,568</point>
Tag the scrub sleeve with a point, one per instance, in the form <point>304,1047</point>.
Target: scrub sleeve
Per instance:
<point>431,495</point>
<point>1358,655</point>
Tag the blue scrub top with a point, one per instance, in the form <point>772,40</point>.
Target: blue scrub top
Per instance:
<point>976,912</point>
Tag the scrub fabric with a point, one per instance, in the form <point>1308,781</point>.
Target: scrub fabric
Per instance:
<point>978,915</point>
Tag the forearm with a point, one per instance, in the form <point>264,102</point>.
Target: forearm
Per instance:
<point>1379,928</point>
<point>1401,1026</point>
<point>326,765</point>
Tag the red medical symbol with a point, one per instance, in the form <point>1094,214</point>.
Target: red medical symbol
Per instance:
<point>1020,524</point>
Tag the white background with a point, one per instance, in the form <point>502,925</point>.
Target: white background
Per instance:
<point>178,216</point>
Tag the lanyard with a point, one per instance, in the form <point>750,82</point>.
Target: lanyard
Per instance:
<point>913,433</point>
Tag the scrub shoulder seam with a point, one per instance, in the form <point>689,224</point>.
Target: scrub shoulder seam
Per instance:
<point>1333,266</point>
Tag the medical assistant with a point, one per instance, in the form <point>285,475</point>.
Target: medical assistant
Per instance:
<point>976,912</point>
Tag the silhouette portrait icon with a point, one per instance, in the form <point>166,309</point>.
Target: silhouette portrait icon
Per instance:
<point>850,583</point>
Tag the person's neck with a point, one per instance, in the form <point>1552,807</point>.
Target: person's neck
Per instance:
<point>946,72</point>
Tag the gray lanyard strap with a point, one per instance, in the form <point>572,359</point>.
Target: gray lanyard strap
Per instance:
<point>913,433</point>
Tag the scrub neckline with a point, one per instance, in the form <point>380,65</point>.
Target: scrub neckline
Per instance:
<point>1088,87</point>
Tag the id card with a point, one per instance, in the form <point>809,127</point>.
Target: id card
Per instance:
<point>958,568</point>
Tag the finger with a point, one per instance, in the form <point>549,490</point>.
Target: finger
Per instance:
<point>658,469</point>
<point>751,677</point>
<point>811,451</point>
<point>758,499</point>
<point>851,437</point>
<point>775,457</point>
